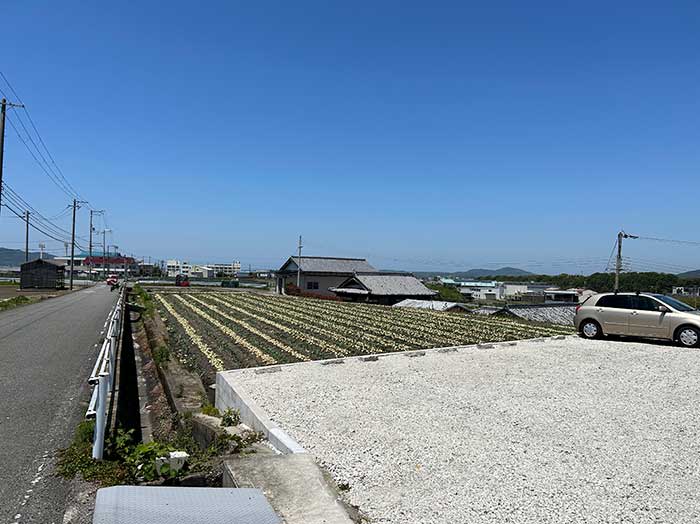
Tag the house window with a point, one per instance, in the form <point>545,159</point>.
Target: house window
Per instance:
<point>312,285</point>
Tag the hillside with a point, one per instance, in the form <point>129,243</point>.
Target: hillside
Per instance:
<point>690,274</point>
<point>15,257</point>
<point>476,273</point>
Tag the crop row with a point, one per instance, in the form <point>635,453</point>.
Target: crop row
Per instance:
<point>214,330</point>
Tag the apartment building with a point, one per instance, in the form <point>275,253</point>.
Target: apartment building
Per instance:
<point>179,267</point>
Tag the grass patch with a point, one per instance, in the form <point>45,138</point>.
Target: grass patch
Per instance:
<point>14,302</point>
<point>129,462</point>
<point>144,299</point>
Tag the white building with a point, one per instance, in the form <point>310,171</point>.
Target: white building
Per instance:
<point>482,290</point>
<point>178,267</point>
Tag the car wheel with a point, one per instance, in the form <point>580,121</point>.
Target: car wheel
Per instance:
<point>590,329</point>
<point>689,337</point>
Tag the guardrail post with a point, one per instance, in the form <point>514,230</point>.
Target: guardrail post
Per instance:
<point>101,416</point>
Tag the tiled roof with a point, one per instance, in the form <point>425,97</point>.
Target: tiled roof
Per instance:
<point>329,265</point>
<point>386,284</point>
<point>435,305</point>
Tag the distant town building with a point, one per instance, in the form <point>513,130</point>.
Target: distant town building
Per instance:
<point>482,290</point>
<point>382,288</point>
<point>318,274</point>
<point>179,267</point>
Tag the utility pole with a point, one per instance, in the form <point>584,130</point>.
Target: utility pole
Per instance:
<point>92,212</point>
<point>299,265</point>
<point>76,205</point>
<point>26,237</point>
<point>3,111</point>
<point>618,260</point>
<point>104,251</point>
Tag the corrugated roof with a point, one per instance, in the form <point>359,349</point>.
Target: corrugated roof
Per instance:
<point>387,284</point>
<point>330,264</point>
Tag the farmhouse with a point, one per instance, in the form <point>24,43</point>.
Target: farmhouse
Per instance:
<point>318,274</point>
<point>382,288</point>
<point>42,274</point>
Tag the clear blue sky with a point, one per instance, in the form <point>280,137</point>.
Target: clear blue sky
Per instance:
<point>432,135</point>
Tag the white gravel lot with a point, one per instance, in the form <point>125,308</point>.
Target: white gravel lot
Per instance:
<point>555,431</point>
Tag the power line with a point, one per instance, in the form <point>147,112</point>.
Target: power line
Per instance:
<point>62,180</point>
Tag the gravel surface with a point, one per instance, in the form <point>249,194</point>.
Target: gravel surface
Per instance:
<point>550,431</point>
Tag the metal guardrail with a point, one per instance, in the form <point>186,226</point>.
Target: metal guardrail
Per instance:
<point>102,376</point>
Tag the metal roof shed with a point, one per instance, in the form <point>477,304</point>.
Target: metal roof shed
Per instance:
<point>42,274</point>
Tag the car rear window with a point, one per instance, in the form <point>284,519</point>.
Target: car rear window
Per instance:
<point>615,301</point>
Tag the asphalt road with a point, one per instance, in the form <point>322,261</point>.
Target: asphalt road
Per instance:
<point>46,353</point>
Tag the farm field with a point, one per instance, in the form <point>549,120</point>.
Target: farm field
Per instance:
<point>215,331</point>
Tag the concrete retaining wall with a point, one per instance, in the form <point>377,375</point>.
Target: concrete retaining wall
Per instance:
<point>229,396</point>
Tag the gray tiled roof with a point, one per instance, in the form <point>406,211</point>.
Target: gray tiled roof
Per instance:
<point>331,264</point>
<point>562,315</point>
<point>391,284</point>
<point>435,305</point>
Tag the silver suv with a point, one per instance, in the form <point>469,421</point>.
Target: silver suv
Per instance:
<point>638,315</point>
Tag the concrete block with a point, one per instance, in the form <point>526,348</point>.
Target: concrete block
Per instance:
<point>331,361</point>
<point>294,485</point>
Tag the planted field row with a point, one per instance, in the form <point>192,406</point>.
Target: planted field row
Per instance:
<point>214,331</point>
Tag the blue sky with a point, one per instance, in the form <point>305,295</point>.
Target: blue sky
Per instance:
<point>433,135</point>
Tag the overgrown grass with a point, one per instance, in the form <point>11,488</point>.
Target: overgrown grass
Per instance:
<point>145,300</point>
<point>129,462</point>
<point>14,302</point>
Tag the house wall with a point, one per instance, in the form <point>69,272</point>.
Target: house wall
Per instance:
<point>324,282</point>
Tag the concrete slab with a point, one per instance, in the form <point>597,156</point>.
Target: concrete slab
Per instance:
<point>293,484</point>
<point>178,505</point>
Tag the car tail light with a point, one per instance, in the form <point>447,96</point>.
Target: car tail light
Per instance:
<point>578,307</point>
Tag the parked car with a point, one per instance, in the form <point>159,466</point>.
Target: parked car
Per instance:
<point>648,315</point>
<point>182,281</point>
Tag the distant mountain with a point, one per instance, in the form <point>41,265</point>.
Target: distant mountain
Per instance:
<point>690,274</point>
<point>476,273</point>
<point>15,257</point>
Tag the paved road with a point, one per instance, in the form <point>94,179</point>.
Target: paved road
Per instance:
<point>46,353</point>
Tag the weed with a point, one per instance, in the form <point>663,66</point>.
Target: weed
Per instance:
<point>14,302</point>
<point>161,354</point>
<point>210,410</point>
<point>231,417</point>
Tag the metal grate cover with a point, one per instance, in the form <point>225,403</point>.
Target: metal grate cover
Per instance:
<point>175,505</point>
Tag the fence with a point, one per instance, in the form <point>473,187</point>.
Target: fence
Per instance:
<point>103,375</point>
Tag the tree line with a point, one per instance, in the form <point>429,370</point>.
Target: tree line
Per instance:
<point>603,282</point>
